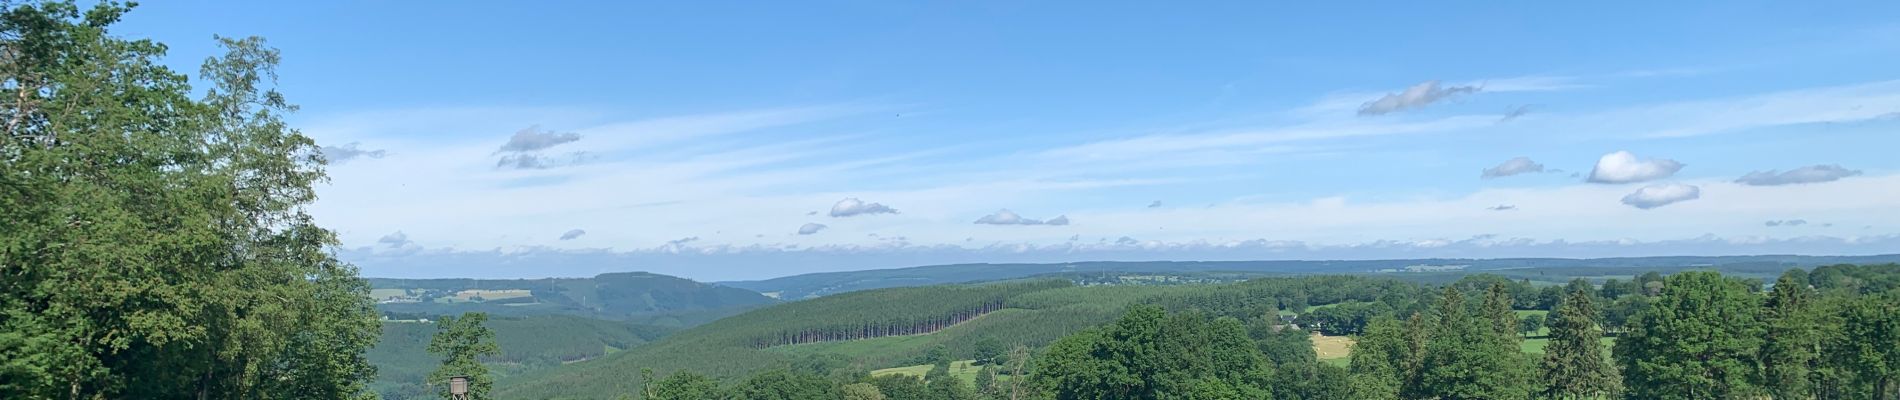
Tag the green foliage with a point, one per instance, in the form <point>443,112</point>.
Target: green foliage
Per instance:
<point>1697,340</point>
<point>1574,367</point>
<point>1856,279</point>
<point>1530,323</point>
<point>1867,349</point>
<point>155,245</point>
<point>1382,362</point>
<point>527,344</point>
<point>1792,340</point>
<point>1149,353</point>
<point>900,386</point>
<point>1474,355</point>
<point>987,350</point>
<point>461,341</point>
<point>1282,345</point>
<point>861,391</point>
<point>686,386</point>
<point>782,384</point>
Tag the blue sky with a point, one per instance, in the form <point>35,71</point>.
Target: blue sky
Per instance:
<point>510,139</point>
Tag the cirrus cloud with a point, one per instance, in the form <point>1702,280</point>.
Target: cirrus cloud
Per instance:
<point>1514,166</point>
<point>532,139</point>
<point>1808,174</point>
<point>1006,217</point>
<point>1419,95</point>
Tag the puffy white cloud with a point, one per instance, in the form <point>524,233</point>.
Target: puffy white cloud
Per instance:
<point>1808,174</point>
<point>810,228</point>
<point>395,240</point>
<point>349,151</point>
<point>1653,196</point>
<point>1786,222</point>
<point>1006,217</point>
<point>572,234</point>
<point>1514,166</point>
<point>1625,167</point>
<point>532,139</point>
<point>851,206</point>
<point>1419,95</point>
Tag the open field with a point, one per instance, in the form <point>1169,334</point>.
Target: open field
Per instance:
<point>489,294</point>
<point>1332,347</point>
<point>387,293</point>
<point>962,369</point>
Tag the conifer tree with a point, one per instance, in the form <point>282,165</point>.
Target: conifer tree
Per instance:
<point>1698,339</point>
<point>1793,339</point>
<point>1574,367</point>
<point>1473,357</point>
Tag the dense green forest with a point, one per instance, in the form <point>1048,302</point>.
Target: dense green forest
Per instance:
<point>531,343</point>
<point>1461,339</point>
<point>637,297</point>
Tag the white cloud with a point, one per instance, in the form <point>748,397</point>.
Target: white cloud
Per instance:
<point>572,234</point>
<point>1005,217</point>
<point>1419,95</point>
<point>1514,166</point>
<point>395,240</point>
<point>1808,174</point>
<point>534,139</point>
<point>851,206</point>
<point>1786,222</point>
<point>1625,167</point>
<point>349,151</point>
<point>1155,204</point>
<point>1501,207</point>
<point>810,228</point>
<point>1653,196</point>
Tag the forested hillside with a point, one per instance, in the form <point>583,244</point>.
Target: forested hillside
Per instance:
<point>637,297</point>
<point>1554,270</point>
<point>1462,339</point>
<point>527,344</point>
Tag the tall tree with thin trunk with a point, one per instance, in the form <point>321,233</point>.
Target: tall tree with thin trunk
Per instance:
<point>462,342</point>
<point>1574,367</point>
<point>154,239</point>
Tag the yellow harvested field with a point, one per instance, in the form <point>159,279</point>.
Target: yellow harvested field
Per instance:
<point>1331,347</point>
<point>468,295</point>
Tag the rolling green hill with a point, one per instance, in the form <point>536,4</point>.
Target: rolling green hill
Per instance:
<point>527,344</point>
<point>836,327</point>
<point>628,296</point>
<point>1551,269</point>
